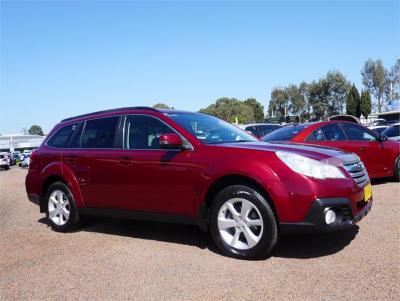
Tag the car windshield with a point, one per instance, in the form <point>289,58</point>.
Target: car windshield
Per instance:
<point>392,131</point>
<point>209,129</point>
<point>285,134</point>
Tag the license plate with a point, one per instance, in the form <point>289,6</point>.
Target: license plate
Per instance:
<point>367,192</point>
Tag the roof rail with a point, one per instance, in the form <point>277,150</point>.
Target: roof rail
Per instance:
<point>110,110</point>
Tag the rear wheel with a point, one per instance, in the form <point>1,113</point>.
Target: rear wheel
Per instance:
<point>243,224</point>
<point>61,209</point>
<point>397,169</point>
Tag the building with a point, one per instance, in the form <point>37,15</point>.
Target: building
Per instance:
<point>20,142</point>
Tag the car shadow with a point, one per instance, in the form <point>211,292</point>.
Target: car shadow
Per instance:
<point>289,246</point>
<point>380,181</point>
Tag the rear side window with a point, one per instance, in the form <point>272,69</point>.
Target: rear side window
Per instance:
<point>330,132</point>
<point>100,133</point>
<point>67,136</point>
<point>356,132</point>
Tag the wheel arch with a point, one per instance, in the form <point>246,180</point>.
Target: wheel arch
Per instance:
<point>224,182</point>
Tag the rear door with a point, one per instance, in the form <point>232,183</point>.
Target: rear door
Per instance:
<point>91,157</point>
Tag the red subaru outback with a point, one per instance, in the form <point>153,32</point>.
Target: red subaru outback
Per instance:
<point>186,167</point>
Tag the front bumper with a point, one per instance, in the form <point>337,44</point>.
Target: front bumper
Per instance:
<point>314,222</point>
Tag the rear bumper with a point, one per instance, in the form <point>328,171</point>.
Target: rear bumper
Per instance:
<point>314,221</point>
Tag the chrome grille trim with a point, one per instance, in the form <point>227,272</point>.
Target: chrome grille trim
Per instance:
<point>358,172</point>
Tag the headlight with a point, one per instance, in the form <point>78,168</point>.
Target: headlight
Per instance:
<point>309,167</point>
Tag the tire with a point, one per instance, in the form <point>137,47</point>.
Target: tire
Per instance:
<point>242,223</point>
<point>56,211</point>
<point>7,167</point>
<point>397,169</point>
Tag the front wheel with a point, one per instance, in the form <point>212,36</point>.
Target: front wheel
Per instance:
<point>242,223</point>
<point>397,169</point>
<point>61,209</point>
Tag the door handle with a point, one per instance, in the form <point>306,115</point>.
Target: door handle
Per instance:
<point>71,159</point>
<point>362,149</point>
<point>124,160</point>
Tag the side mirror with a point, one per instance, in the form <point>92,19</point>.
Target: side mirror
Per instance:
<point>171,141</point>
<point>383,137</point>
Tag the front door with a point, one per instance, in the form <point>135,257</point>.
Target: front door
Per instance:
<point>152,179</point>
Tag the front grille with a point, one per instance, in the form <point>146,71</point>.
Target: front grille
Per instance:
<point>358,172</point>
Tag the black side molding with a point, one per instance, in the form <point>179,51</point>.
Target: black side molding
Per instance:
<point>140,215</point>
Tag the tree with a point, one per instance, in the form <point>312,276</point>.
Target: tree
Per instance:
<point>318,95</point>
<point>35,130</point>
<point>337,89</point>
<point>258,109</point>
<point>161,106</point>
<point>230,109</point>
<point>296,100</point>
<point>375,79</point>
<point>365,104</point>
<point>278,102</point>
<point>353,105</point>
<point>393,91</point>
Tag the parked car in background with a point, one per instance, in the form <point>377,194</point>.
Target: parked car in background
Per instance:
<point>149,164</point>
<point>379,121</point>
<point>261,129</point>
<point>393,132</point>
<point>380,155</point>
<point>378,128</point>
<point>4,161</point>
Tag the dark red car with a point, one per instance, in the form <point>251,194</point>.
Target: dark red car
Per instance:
<point>380,155</point>
<point>186,167</point>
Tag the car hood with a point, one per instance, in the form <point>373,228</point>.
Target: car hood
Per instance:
<point>321,153</point>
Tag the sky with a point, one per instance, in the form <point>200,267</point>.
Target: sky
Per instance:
<point>63,58</point>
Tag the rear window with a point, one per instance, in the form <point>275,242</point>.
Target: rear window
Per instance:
<point>100,133</point>
<point>285,134</point>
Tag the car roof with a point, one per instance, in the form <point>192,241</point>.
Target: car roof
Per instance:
<point>261,123</point>
<point>110,111</point>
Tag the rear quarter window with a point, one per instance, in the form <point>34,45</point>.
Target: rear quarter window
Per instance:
<point>65,136</point>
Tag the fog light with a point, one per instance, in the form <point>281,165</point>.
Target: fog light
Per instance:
<point>330,216</point>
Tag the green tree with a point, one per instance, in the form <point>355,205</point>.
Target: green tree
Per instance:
<point>296,99</point>
<point>375,79</point>
<point>161,106</point>
<point>318,94</point>
<point>278,102</point>
<point>258,109</point>
<point>35,130</point>
<point>353,105</point>
<point>365,104</point>
<point>393,91</point>
<point>337,87</point>
<point>230,109</point>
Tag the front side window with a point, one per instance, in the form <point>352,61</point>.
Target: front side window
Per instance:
<point>100,133</point>
<point>143,132</point>
<point>356,132</point>
<point>67,136</point>
<point>209,129</point>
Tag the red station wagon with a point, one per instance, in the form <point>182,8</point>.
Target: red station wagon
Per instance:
<point>175,166</point>
<point>380,155</point>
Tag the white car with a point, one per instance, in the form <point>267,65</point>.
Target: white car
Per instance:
<point>4,162</point>
<point>378,128</point>
<point>393,132</point>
